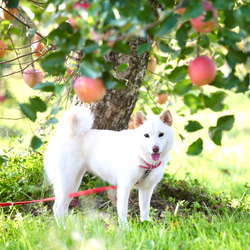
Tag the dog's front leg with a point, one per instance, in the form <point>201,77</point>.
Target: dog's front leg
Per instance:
<point>123,192</point>
<point>144,202</point>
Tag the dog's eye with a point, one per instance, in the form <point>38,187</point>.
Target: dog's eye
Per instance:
<point>161,134</point>
<point>146,135</point>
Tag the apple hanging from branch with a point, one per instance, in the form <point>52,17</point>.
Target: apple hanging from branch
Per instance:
<point>36,46</point>
<point>73,22</point>
<point>3,49</point>
<point>5,15</point>
<point>89,90</point>
<point>201,70</point>
<point>202,26</point>
<point>31,77</point>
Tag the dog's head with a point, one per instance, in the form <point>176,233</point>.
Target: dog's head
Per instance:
<point>156,134</point>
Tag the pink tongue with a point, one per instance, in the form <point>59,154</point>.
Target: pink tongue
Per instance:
<point>155,157</point>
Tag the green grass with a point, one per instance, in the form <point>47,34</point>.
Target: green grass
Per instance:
<point>91,232</point>
<point>211,192</point>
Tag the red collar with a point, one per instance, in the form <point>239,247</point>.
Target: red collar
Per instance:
<point>150,166</point>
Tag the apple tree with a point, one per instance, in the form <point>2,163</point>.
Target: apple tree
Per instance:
<point>141,51</point>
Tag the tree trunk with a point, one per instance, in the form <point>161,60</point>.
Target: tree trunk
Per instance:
<point>114,111</point>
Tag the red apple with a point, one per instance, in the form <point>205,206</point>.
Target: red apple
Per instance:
<point>85,6</point>
<point>32,77</point>
<point>36,46</point>
<point>152,63</point>
<point>180,11</point>
<point>201,70</point>
<point>3,98</point>
<point>3,47</point>
<point>5,15</point>
<point>81,5</point>
<point>161,98</point>
<point>89,90</point>
<point>202,26</point>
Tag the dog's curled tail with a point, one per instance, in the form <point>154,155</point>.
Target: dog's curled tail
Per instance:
<point>76,121</point>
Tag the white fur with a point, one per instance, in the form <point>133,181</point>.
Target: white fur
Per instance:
<point>113,156</point>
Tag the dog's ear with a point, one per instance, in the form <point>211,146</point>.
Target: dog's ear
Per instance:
<point>166,117</point>
<point>139,118</point>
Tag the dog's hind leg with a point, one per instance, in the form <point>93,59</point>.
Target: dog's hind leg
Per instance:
<point>62,188</point>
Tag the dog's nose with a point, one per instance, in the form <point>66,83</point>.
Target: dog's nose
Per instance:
<point>155,149</point>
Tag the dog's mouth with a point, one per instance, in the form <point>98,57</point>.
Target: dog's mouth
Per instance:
<point>155,157</point>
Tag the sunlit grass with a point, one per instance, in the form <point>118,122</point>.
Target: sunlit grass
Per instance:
<point>222,170</point>
<point>90,232</point>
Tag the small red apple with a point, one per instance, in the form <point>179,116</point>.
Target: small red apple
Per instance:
<point>89,90</point>
<point>32,77</point>
<point>36,46</point>
<point>205,26</point>
<point>3,47</point>
<point>161,98</point>
<point>201,70</point>
<point>85,6</point>
<point>81,5</point>
<point>152,63</point>
<point>3,98</point>
<point>5,15</point>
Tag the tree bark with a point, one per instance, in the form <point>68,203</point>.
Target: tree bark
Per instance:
<point>114,111</point>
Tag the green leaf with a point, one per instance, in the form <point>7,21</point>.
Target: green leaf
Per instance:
<point>225,122</point>
<point>215,101</point>
<point>156,110</point>
<point>15,31</point>
<point>45,87</point>
<point>182,34</point>
<point>196,147</point>
<point>223,4</point>
<point>229,19</point>
<point>36,143</point>
<point>216,135</point>
<point>54,63</point>
<point>178,74</point>
<point>90,47</point>
<point>122,67</point>
<point>28,111</point>
<point>235,56</point>
<point>52,120</point>
<point>182,87</point>
<point>90,68</point>
<point>164,47</point>
<point>193,11</point>
<point>243,85</point>
<point>12,4</point>
<point>121,47</point>
<point>193,126</point>
<point>109,81</point>
<point>2,160</point>
<point>204,41</point>
<point>38,104</point>
<point>167,24</point>
<point>143,48</point>
<point>59,88</point>
<point>181,137</point>
<point>193,102</point>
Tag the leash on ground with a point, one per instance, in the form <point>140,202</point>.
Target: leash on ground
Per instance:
<point>71,195</point>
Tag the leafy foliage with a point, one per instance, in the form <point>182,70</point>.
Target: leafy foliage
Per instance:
<point>77,40</point>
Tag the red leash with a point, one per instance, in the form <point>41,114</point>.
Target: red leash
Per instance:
<point>76,194</point>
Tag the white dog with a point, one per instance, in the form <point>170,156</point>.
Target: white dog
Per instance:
<point>129,158</point>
